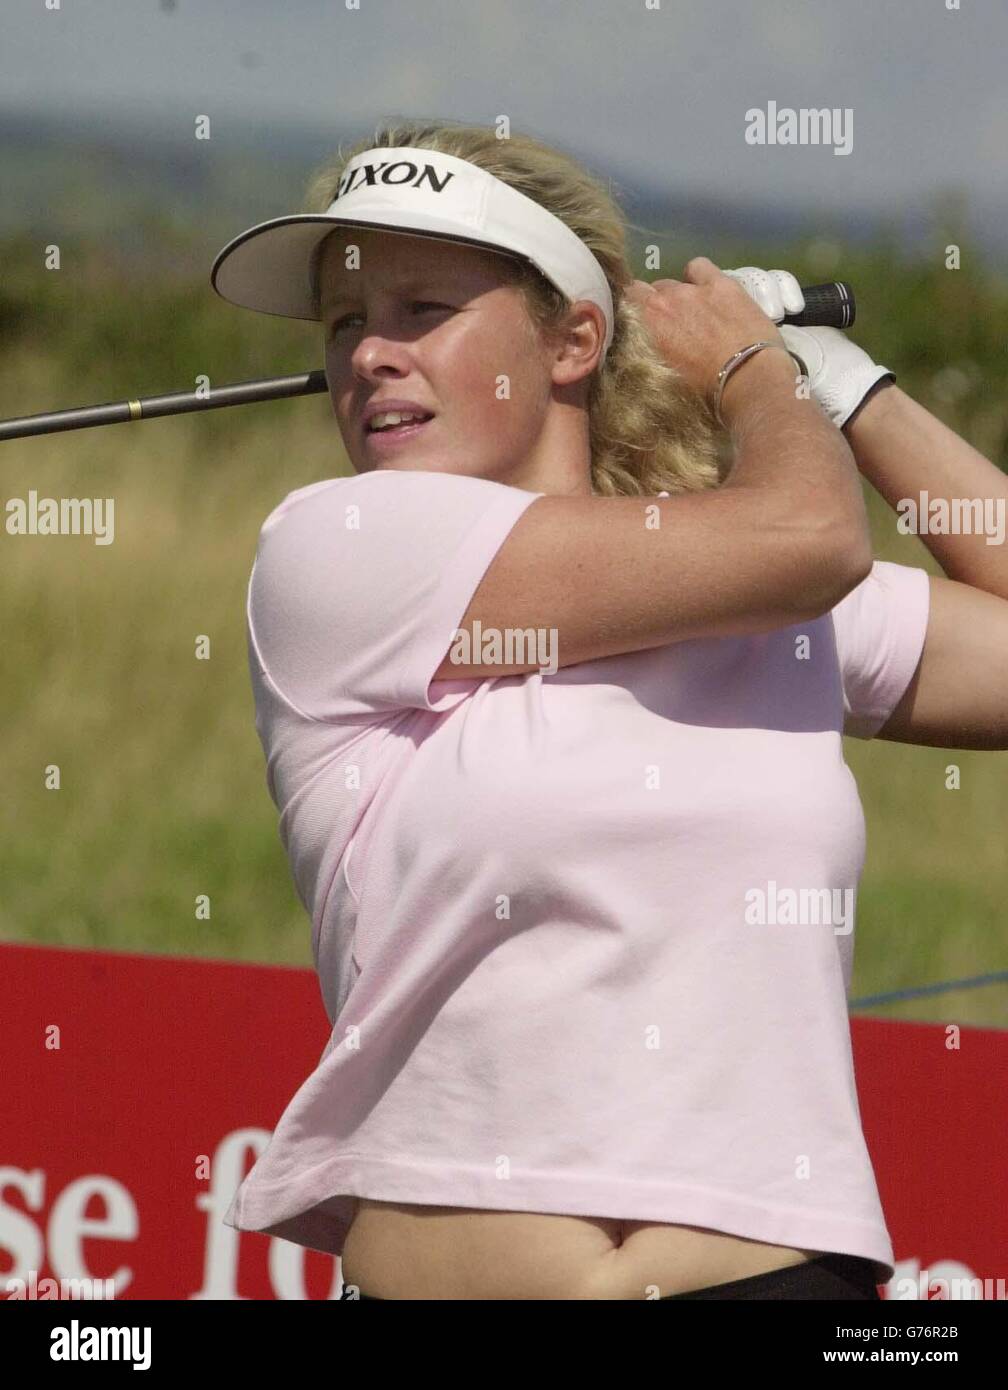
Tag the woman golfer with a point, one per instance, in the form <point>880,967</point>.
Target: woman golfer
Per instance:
<point>552,715</point>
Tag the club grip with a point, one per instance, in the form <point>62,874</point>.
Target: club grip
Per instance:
<point>826,306</point>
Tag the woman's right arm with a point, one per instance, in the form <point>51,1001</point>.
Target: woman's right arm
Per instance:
<point>781,541</point>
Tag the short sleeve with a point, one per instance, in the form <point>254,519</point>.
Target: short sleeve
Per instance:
<point>358,584</point>
<point>880,628</point>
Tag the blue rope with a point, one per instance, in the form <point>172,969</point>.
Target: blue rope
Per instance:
<point>996,977</point>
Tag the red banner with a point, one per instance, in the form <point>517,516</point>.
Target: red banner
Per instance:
<point>136,1092</point>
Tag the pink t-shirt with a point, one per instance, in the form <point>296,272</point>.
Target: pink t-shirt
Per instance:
<point>584,938</point>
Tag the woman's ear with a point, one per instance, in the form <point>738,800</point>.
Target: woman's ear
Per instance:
<point>580,339</point>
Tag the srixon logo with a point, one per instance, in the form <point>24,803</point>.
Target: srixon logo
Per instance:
<point>401,174</point>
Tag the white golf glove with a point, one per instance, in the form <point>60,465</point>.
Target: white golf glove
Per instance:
<point>840,374</point>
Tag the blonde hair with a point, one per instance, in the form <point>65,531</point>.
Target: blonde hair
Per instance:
<point>649,430</point>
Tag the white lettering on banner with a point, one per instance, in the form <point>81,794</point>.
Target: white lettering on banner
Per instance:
<point>221,1248</point>
<point>30,1245</point>
<point>67,1225</point>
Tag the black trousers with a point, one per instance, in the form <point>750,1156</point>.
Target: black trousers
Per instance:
<point>846,1277</point>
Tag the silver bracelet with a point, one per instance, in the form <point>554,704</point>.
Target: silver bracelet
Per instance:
<point>736,361</point>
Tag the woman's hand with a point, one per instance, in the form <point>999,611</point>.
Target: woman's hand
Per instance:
<point>699,322</point>
<point>840,374</point>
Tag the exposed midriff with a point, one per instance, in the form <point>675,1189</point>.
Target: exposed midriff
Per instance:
<point>399,1250</point>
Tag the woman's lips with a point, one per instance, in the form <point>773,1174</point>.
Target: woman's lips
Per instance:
<point>399,434</point>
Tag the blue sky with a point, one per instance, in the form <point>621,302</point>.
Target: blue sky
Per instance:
<point>660,94</point>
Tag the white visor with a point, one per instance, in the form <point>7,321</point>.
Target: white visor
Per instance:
<point>271,266</point>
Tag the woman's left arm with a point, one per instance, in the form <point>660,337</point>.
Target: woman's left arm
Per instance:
<point>958,697</point>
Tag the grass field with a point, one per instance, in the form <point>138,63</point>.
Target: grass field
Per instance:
<point>163,794</point>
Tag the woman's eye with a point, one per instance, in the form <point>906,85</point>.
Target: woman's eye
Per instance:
<point>417,304</point>
<point>341,323</point>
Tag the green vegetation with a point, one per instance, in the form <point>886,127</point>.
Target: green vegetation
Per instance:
<point>163,790</point>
